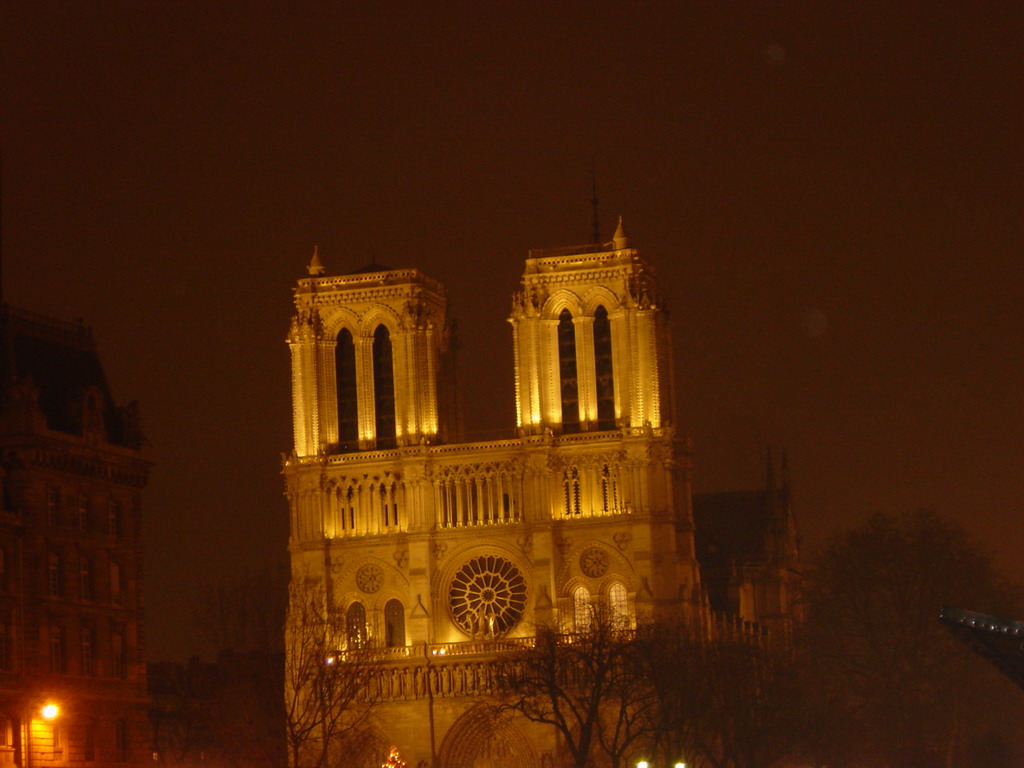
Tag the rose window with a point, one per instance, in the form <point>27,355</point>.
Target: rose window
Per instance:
<point>487,596</point>
<point>370,578</point>
<point>594,562</point>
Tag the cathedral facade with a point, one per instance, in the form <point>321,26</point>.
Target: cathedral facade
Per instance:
<point>446,553</point>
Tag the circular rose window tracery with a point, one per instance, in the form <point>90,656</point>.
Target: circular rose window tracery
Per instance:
<point>594,562</point>
<point>487,596</point>
<point>370,578</point>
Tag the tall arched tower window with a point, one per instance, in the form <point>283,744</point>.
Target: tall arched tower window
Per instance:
<point>603,370</point>
<point>567,372</point>
<point>394,624</point>
<point>345,375</point>
<point>383,388</point>
<point>355,625</point>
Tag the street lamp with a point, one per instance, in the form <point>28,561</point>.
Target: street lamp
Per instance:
<point>642,764</point>
<point>49,712</point>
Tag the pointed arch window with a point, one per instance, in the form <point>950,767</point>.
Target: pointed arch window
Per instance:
<point>345,384</point>
<point>394,624</point>
<point>571,491</point>
<point>355,625</point>
<point>603,370</point>
<point>567,373</point>
<point>618,605</point>
<point>383,388</point>
<point>581,611</point>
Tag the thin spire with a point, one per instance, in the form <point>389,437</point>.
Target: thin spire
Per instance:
<point>316,267</point>
<point>619,239</point>
<point>595,234</point>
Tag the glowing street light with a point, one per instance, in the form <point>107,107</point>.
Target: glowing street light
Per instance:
<point>642,764</point>
<point>49,711</point>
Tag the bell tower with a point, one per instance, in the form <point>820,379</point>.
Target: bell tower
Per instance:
<point>591,343</point>
<point>368,350</point>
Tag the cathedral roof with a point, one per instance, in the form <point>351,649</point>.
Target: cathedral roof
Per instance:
<point>372,267</point>
<point>733,530</point>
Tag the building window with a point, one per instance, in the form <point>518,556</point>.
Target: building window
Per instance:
<point>609,491</point>
<point>355,624</point>
<point>121,741</point>
<point>54,576</point>
<point>345,381</point>
<point>87,656</point>
<point>571,491</point>
<point>603,369</point>
<point>52,507</point>
<point>85,589</point>
<point>116,595</point>
<point>83,513</point>
<point>383,388</point>
<point>618,605</point>
<point>117,655</point>
<point>567,372</point>
<point>394,624</point>
<point>5,648</point>
<point>114,518</point>
<point>56,650</point>
<point>89,741</point>
<point>581,611</point>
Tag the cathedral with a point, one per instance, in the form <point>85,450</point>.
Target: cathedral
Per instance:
<point>447,554</point>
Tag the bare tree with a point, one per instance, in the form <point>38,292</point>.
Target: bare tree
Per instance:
<point>588,686</point>
<point>726,697</point>
<point>329,694</point>
<point>911,696</point>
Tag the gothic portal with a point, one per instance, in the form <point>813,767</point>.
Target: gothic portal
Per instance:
<point>446,552</point>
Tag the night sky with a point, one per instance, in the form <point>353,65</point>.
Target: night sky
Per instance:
<point>830,192</point>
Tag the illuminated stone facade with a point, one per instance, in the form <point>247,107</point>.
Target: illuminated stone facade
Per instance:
<point>71,624</point>
<point>448,552</point>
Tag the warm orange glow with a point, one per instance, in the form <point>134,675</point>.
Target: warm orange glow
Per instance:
<point>50,711</point>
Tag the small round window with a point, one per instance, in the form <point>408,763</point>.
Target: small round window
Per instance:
<point>487,596</point>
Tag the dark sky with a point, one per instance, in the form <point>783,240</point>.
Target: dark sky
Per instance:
<point>830,191</point>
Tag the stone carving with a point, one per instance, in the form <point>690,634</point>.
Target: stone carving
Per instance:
<point>439,548</point>
<point>594,562</point>
<point>370,578</point>
<point>402,558</point>
<point>564,545</point>
<point>621,539</point>
<point>525,543</point>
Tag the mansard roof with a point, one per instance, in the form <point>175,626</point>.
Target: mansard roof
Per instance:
<point>59,360</point>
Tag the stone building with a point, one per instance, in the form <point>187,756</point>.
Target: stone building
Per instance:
<point>71,630</point>
<point>448,553</point>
